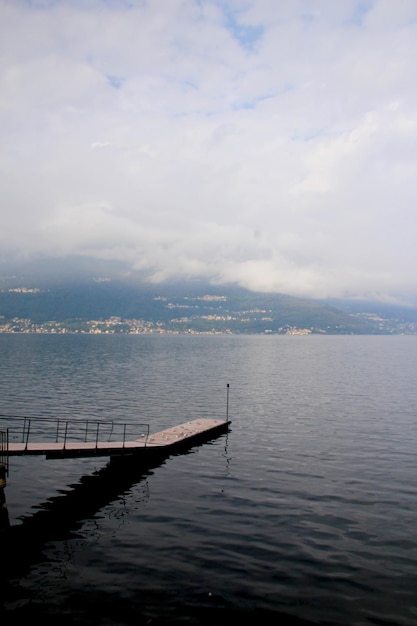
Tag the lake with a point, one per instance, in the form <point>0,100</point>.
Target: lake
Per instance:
<point>305,511</point>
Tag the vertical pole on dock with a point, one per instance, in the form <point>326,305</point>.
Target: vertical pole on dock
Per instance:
<point>4,515</point>
<point>227,403</point>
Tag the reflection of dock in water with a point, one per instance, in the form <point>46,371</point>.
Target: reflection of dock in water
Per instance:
<point>61,516</point>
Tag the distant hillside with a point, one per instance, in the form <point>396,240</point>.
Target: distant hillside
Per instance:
<point>188,307</point>
<point>382,309</point>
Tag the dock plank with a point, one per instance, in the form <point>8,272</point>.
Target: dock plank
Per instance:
<point>183,431</point>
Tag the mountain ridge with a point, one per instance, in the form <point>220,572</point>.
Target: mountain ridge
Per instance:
<point>191,306</point>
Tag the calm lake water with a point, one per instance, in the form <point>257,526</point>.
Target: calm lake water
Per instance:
<point>304,512</point>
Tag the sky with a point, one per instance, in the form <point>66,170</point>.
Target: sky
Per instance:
<point>270,144</point>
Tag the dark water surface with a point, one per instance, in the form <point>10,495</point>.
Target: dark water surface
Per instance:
<point>306,508</point>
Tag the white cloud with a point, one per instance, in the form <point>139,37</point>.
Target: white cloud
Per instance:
<point>266,143</point>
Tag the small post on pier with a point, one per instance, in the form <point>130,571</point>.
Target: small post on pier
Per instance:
<point>227,403</point>
<point>4,514</point>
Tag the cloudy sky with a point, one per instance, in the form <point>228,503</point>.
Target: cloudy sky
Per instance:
<point>267,143</point>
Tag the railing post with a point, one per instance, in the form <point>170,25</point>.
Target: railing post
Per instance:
<point>27,427</point>
<point>4,451</point>
<point>4,515</point>
<point>65,435</point>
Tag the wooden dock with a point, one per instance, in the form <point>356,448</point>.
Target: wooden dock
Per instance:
<point>181,436</point>
<point>60,439</point>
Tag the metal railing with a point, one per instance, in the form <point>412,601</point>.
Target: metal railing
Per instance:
<point>19,429</point>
